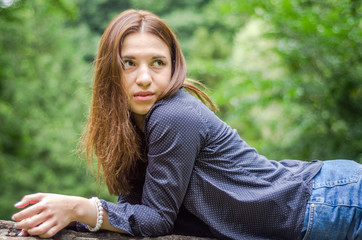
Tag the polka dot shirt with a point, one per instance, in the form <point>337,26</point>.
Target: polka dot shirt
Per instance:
<point>197,161</point>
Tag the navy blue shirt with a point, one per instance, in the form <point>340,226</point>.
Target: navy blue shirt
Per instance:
<point>197,161</point>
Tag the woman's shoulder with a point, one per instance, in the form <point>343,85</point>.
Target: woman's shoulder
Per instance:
<point>179,104</point>
<point>180,108</point>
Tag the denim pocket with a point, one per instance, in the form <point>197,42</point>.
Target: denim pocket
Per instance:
<point>334,210</point>
<point>336,173</point>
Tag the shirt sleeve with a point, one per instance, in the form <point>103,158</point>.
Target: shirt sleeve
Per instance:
<point>173,136</point>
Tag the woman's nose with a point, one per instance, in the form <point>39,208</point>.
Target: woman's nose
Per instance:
<point>144,76</point>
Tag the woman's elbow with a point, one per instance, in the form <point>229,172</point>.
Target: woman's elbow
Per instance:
<point>158,228</point>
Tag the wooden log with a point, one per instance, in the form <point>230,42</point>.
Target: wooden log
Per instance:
<point>7,232</point>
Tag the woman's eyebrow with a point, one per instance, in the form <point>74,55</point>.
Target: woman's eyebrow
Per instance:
<point>129,57</point>
<point>158,56</point>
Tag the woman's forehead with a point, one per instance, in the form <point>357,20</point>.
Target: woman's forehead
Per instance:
<point>144,44</point>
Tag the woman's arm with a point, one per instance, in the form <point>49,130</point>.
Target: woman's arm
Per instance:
<point>49,213</point>
<point>174,139</point>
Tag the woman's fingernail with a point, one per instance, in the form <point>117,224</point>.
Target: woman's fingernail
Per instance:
<point>24,233</point>
<point>15,225</point>
<point>17,204</point>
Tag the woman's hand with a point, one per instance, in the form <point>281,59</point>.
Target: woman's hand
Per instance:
<point>47,213</point>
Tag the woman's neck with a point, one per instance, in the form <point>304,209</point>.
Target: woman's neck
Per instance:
<point>139,120</point>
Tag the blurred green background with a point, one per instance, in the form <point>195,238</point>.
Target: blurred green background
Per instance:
<point>287,74</point>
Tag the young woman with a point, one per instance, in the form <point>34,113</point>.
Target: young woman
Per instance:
<point>178,168</point>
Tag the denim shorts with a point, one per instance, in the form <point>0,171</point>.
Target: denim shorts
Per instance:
<point>334,210</point>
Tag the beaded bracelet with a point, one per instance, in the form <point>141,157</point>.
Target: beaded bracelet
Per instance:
<point>99,215</point>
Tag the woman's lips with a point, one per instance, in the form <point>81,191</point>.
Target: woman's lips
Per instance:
<point>143,96</point>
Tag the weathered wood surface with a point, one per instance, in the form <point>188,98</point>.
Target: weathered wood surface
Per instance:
<point>6,229</point>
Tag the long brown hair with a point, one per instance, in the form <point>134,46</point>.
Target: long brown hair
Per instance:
<point>110,134</point>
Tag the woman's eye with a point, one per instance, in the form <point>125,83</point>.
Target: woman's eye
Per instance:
<point>128,63</point>
<point>158,63</point>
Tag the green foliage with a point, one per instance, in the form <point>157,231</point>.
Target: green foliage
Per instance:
<point>317,83</point>
<point>44,85</point>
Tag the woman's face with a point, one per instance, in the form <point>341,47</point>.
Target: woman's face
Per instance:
<point>147,70</point>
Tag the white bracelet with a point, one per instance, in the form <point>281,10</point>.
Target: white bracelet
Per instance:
<point>99,215</point>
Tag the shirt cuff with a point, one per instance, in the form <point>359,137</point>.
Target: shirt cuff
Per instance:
<point>116,216</point>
